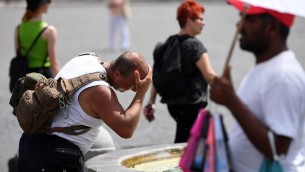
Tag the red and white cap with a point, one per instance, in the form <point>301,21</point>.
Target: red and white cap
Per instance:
<point>285,18</point>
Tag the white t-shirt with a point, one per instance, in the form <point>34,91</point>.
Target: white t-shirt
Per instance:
<point>275,92</point>
<point>74,114</point>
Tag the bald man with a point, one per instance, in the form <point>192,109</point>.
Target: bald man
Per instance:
<point>92,105</point>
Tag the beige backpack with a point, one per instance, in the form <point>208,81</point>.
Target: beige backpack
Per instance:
<point>36,99</point>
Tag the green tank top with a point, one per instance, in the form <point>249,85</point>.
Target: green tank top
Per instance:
<point>28,32</point>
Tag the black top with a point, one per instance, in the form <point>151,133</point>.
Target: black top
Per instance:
<point>191,51</point>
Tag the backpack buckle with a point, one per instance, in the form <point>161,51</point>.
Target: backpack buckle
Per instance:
<point>49,131</point>
<point>103,76</point>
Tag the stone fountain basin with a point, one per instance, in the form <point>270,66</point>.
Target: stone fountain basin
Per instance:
<point>125,160</point>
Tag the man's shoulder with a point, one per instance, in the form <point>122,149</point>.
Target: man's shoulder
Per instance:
<point>80,65</point>
<point>97,93</point>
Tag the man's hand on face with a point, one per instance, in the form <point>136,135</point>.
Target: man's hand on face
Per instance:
<point>143,85</point>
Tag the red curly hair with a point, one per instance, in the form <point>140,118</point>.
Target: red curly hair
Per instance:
<point>188,9</point>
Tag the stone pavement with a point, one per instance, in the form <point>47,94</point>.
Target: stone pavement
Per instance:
<point>83,26</point>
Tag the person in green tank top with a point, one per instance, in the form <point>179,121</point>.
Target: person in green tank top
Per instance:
<point>42,57</point>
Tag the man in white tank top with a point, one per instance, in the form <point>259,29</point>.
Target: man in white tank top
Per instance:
<point>90,106</point>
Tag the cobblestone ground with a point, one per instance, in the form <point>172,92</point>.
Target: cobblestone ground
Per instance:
<point>84,27</point>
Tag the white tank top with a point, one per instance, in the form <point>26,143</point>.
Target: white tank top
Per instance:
<point>74,114</point>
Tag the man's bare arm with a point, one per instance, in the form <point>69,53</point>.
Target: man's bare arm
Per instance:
<point>102,102</point>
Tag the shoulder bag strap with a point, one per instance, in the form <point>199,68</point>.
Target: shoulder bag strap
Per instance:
<point>45,58</point>
<point>19,45</point>
<point>32,45</point>
<point>183,37</point>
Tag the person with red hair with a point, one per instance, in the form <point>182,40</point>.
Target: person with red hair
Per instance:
<point>195,64</point>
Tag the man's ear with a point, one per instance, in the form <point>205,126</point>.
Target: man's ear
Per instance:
<point>273,28</point>
<point>116,74</point>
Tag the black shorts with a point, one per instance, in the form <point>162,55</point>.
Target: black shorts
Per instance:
<point>48,153</point>
<point>185,115</point>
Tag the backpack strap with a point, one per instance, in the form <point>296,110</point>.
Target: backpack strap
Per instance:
<point>19,44</point>
<point>33,43</point>
<point>69,86</point>
<point>183,37</point>
<point>71,130</point>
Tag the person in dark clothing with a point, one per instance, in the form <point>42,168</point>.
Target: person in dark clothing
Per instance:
<point>196,64</point>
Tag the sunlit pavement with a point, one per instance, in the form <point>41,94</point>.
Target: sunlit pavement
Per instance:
<point>84,27</point>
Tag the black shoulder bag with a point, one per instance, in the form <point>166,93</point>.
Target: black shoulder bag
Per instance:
<point>19,65</point>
